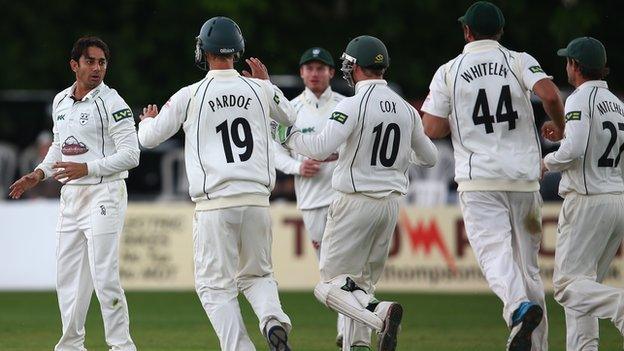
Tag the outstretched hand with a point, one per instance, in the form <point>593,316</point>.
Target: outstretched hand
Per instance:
<point>150,111</point>
<point>25,183</point>
<point>258,69</point>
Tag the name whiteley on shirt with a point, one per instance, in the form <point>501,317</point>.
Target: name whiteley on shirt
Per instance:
<point>484,69</point>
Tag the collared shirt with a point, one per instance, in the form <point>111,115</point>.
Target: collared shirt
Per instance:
<point>228,147</point>
<point>380,134</point>
<point>312,115</point>
<point>98,130</point>
<point>485,94</point>
<point>590,154</point>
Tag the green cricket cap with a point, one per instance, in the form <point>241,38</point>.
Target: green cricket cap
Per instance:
<point>317,54</point>
<point>483,18</point>
<point>587,51</point>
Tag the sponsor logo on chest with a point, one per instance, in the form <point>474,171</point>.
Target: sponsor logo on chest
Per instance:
<point>71,147</point>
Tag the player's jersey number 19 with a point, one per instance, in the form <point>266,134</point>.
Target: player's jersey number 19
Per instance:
<point>239,134</point>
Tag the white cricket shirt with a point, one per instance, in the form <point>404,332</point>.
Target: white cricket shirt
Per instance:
<point>98,130</point>
<point>590,154</point>
<point>485,94</point>
<point>379,130</point>
<point>228,151</point>
<point>312,115</point>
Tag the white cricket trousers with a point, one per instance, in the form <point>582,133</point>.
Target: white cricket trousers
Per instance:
<point>314,221</point>
<point>89,226</point>
<point>356,242</point>
<point>589,235</point>
<point>232,254</point>
<point>505,231</point>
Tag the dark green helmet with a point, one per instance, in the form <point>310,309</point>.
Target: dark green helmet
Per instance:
<point>365,51</point>
<point>218,35</point>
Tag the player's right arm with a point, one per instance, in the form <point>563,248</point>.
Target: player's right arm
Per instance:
<point>425,153</point>
<point>319,146</point>
<point>437,106</point>
<point>284,162</point>
<point>535,79</point>
<point>44,169</point>
<point>576,137</point>
<point>156,127</point>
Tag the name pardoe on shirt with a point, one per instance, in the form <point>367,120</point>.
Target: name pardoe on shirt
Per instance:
<point>229,101</point>
<point>484,69</point>
<point>610,106</point>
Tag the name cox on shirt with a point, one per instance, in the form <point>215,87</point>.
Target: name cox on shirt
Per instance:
<point>229,101</point>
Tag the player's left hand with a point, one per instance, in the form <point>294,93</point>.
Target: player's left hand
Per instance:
<point>551,132</point>
<point>258,69</point>
<point>150,111</point>
<point>67,171</point>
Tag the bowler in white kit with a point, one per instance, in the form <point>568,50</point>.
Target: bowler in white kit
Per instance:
<point>95,144</point>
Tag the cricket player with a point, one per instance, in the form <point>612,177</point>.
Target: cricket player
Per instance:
<point>230,167</point>
<point>313,178</point>
<point>95,144</point>
<point>378,134</point>
<point>482,98</point>
<point>591,222</point>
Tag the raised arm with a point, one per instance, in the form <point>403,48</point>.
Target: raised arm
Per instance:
<point>156,127</point>
<point>336,131</point>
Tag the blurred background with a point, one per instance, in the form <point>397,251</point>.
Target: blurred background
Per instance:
<point>152,45</point>
<point>152,52</point>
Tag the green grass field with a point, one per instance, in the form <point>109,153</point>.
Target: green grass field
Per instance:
<point>176,321</point>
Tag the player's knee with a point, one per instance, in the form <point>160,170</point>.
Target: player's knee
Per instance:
<point>559,289</point>
<point>321,291</point>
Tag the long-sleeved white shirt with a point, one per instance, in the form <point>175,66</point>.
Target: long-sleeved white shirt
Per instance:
<point>485,94</point>
<point>312,115</point>
<point>228,150</point>
<point>590,154</point>
<point>381,134</point>
<point>98,130</point>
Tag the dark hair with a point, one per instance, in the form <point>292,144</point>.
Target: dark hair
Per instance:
<point>223,56</point>
<point>479,36</point>
<point>591,73</point>
<point>373,71</point>
<point>81,45</point>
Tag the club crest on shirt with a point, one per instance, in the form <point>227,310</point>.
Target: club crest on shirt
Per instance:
<point>84,118</point>
<point>339,117</point>
<point>71,146</point>
<point>573,116</point>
